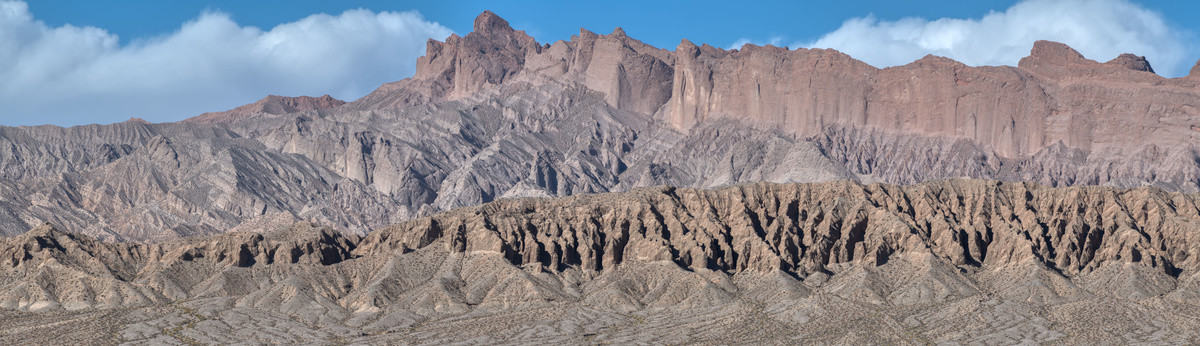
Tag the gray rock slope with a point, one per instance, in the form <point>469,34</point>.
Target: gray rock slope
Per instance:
<point>363,169</point>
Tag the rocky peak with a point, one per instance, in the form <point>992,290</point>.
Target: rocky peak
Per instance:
<point>687,49</point>
<point>1195,73</point>
<point>46,238</point>
<point>1132,62</point>
<point>492,32</point>
<point>713,51</point>
<point>492,53</point>
<point>585,34</point>
<point>1052,53</point>
<point>488,22</point>
<point>935,61</point>
<point>1058,61</point>
<point>46,229</point>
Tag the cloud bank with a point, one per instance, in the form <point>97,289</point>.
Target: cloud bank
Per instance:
<point>71,75</point>
<point>1099,29</point>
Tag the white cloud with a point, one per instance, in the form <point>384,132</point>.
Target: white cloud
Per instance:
<point>1099,29</point>
<point>774,41</point>
<point>70,75</point>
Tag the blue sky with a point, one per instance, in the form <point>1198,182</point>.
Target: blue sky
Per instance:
<point>660,23</point>
<point>80,62</point>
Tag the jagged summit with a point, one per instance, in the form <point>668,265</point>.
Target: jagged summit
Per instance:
<point>489,23</point>
<point>695,84</point>
<point>45,229</point>
<point>1132,62</point>
<point>1051,58</point>
<point>1054,53</point>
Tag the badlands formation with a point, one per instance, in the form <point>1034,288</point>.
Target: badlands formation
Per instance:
<point>954,261</point>
<point>604,190</point>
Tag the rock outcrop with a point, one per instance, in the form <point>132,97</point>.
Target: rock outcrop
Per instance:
<point>1132,62</point>
<point>268,106</point>
<point>630,74</point>
<point>1054,95</point>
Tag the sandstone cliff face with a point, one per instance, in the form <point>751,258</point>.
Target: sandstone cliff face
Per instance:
<point>1108,110</point>
<point>795,90</point>
<point>1054,95</point>
<point>803,258</point>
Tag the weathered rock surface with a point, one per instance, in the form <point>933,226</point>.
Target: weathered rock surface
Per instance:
<point>364,169</point>
<point>1054,95</point>
<point>1132,62</point>
<point>826,262</point>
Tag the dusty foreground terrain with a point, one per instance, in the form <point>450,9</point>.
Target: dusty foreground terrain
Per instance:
<point>958,261</point>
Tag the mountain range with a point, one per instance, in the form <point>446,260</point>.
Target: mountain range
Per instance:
<point>600,189</point>
<point>495,114</point>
